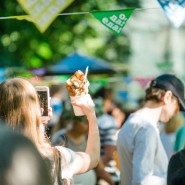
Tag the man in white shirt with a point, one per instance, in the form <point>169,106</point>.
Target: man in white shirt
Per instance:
<point>142,158</point>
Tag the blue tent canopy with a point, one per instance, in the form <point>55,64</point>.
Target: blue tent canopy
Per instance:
<point>76,62</point>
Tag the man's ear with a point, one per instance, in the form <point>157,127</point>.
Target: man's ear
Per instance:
<point>167,97</point>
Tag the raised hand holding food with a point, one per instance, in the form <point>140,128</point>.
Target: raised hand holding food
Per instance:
<point>77,86</point>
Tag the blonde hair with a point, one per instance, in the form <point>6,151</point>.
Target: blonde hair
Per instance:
<point>19,107</point>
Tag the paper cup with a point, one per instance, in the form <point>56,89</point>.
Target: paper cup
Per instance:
<point>77,110</point>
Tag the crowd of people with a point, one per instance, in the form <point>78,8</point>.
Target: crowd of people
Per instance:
<point>108,146</point>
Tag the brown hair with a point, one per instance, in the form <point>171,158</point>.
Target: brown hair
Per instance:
<point>154,94</point>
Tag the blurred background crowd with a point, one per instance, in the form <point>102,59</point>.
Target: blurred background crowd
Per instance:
<point>120,68</point>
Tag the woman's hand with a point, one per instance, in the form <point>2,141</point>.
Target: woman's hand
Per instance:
<point>87,105</point>
<point>45,119</point>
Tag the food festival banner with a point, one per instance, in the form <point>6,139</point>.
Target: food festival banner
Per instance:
<point>175,11</point>
<point>43,12</point>
<point>114,20</point>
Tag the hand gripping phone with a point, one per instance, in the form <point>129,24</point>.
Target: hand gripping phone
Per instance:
<point>44,98</point>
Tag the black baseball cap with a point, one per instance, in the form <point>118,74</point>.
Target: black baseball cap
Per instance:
<point>172,83</point>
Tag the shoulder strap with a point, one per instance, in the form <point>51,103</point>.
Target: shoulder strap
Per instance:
<point>59,176</point>
<point>60,180</point>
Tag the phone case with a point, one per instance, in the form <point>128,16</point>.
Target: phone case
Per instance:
<point>43,94</point>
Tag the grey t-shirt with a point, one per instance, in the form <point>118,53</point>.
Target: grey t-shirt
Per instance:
<point>140,151</point>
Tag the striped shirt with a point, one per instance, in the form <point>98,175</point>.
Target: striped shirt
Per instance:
<point>108,129</point>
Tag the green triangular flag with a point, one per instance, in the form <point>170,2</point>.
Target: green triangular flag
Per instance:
<point>165,66</point>
<point>115,20</point>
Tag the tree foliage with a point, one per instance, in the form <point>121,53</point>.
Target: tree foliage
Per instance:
<point>21,44</point>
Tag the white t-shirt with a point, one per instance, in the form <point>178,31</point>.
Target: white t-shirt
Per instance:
<point>67,162</point>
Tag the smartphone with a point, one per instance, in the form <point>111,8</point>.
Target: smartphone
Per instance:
<point>44,98</point>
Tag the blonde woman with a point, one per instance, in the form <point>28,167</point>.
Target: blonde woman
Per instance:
<point>19,107</point>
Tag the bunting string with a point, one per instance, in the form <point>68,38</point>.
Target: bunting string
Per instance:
<point>81,13</point>
<point>116,25</point>
<point>42,13</point>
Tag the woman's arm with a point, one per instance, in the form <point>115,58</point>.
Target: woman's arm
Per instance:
<point>90,158</point>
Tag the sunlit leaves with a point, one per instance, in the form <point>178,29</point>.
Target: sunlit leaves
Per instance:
<point>44,51</point>
<point>22,44</point>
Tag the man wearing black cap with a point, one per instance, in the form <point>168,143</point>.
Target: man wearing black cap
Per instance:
<point>142,158</point>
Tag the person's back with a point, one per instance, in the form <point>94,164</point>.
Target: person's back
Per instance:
<point>141,155</point>
<point>20,162</point>
<point>75,138</point>
<point>179,177</point>
<point>85,178</point>
<point>21,110</point>
<point>176,164</point>
<point>138,129</point>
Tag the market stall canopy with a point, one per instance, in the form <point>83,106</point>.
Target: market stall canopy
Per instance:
<point>77,61</point>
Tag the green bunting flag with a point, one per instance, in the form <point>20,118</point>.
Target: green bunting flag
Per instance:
<point>114,20</point>
<point>165,66</point>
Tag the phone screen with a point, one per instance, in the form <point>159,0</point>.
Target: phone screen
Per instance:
<point>43,97</point>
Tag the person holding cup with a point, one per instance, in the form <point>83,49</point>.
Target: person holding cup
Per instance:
<point>20,109</point>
